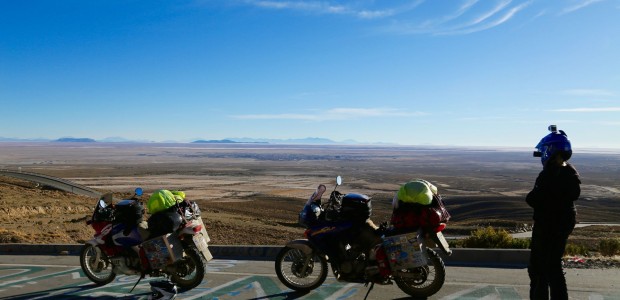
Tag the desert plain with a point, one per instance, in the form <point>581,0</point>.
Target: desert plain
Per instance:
<point>251,194</point>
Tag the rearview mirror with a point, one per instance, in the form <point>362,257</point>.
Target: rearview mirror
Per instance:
<point>338,180</point>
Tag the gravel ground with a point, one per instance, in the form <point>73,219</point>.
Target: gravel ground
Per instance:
<point>577,262</point>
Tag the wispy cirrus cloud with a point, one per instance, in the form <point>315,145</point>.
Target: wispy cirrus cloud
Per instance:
<point>501,15</point>
<point>413,17</point>
<point>588,109</point>
<point>329,7</point>
<point>469,17</point>
<point>485,16</point>
<point>333,114</point>
<point>324,7</point>
<point>579,5</point>
<point>451,16</point>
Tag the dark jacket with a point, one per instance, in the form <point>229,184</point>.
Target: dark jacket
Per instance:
<point>554,194</point>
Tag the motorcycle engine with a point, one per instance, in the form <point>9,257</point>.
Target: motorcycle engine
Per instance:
<point>354,263</point>
<point>127,263</point>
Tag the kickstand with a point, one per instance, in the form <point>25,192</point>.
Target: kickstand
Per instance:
<point>370,289</point>
<point>134,286</point>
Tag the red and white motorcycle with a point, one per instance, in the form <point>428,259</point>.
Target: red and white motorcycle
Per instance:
<point>118,246</point>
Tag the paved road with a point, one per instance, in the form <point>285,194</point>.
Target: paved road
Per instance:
<point>59,277</point>
<point>55,182</point>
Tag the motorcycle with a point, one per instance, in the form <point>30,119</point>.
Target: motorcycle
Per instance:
<point>358,251</point>
<point>119,246</point>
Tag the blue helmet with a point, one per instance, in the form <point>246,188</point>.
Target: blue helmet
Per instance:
<point>554,143</point>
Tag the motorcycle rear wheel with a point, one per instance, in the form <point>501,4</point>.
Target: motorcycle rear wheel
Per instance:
<point>423,281</point>
<point>298,271</point>
<point>98,271</point>
<point>190,270</point>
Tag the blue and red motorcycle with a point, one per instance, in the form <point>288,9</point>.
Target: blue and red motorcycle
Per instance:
<point>340,232</point>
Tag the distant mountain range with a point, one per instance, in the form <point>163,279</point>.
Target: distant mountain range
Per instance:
<point>304,141</point>
<point>225,141</point>
<point>75,140</point>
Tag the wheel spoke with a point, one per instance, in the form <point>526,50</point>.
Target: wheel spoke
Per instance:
<point>423,281</point>
<point>301,271</point>
<point>96,267</point>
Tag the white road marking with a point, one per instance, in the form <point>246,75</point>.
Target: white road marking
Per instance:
<point>342,291</point>
<point>30,278</point>
<point>463,292</point>
<point>260,293</point>
<point>244,274</point>
<point>47,266</point>
<point>218,288</point>
<point>19,271</point>
<point>75,275</point>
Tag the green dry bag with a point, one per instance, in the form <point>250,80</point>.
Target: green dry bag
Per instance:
<point>160,200</point>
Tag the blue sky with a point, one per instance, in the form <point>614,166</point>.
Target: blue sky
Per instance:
<point>469,73</point>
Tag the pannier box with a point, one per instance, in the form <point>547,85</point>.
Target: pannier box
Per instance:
<point>163,250</point>
<point>404,251</point>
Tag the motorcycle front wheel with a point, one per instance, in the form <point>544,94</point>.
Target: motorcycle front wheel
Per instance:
<point>99,270</point>
<point>299,271</point>
<point>189,270</point>
<point>423,281</point>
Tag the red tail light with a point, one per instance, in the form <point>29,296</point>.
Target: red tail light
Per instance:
<point>441,227</point>
<point>197,229</point>
<point>307,233</point>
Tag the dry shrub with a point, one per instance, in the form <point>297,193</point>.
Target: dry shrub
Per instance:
<point>609,247</point>
<point>489,237</point>
<point>576,249</point>
<point>12,236</point>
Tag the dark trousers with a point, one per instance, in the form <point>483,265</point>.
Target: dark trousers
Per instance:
<point>545,267</point>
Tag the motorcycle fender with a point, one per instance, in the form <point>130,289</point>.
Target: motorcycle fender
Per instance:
<point>201,243</point>
<point>441,242</point>
<point>207,254</point>
<point>195,230</point>
<point>94,243</point>
<point>302,245</point>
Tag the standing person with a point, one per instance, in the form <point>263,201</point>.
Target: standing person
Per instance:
<point>552,198</point>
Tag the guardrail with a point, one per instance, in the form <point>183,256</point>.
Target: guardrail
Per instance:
<point>55,182</point>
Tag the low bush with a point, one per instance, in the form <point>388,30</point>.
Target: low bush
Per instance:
<point>491,238</point>
<point>576,249</point>
<point>609,247</point>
